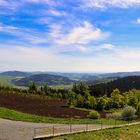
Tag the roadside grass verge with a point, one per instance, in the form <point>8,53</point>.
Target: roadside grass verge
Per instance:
<point>123,133</point>
<point>19,116</point>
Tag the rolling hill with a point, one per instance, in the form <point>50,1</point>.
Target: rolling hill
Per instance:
<point>42,79</point>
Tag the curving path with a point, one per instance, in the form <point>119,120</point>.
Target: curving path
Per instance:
<point>17,130</point>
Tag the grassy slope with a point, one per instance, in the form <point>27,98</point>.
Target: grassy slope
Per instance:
<point>6,80</point>
<point>14,115</point>
<point>124,133</point>
<point>69,86</point>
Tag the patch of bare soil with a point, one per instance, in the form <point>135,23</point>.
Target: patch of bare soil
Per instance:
<point>37,106</point>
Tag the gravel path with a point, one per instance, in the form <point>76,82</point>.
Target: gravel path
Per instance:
<point>17,130</point>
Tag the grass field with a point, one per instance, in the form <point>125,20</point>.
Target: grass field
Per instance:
<point>19,116</point>
<point>123,133</point>
<point>62,86</point>
<point>6,80</point>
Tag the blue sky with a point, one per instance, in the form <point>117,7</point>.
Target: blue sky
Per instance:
<point>70,36</point>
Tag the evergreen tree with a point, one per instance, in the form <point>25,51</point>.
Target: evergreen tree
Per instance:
<point>33,87</point>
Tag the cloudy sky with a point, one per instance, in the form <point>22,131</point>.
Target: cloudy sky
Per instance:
<point>70,35</point>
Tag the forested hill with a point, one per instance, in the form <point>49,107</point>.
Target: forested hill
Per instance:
<point>123,84</point>
<point>42,79</point>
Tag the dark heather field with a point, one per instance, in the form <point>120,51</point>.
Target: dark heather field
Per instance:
<point>37,106</point>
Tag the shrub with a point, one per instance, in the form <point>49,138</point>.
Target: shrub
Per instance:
<point>128,113</point>
<point>138,108</point>
<point>94,115</point>
<point>116,115</point>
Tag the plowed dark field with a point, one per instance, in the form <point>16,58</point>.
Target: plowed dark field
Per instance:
<point>37,106</point>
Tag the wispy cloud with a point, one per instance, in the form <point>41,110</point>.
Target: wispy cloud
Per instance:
<point>22,34</point>
<point>7,28</point>
<point>109,3</point>
<point>11,4</point>
<point>69,40</point>
<point>17,4</point>
<point>56,13</point>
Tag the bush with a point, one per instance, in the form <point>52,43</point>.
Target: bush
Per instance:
<point>128,113</point>
<point>94,115</point>
<point>116,115</point>
<point>138,108</point>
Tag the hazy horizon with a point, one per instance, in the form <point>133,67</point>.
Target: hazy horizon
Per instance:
<point>77,72</point>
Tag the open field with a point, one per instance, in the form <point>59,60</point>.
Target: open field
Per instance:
<point>69,86</point>
<point>6,80</point>
<point>123,133</point>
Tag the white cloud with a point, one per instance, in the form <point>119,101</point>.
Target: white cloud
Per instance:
<point>95,48</point>
<point>44,59</point>
<point>107,46</point>
<point>79,35</point>
<point>62,39</point>
<point>57,13</point>
<point>7,28</point>
<point>138,20</point>
<point>108,3</point>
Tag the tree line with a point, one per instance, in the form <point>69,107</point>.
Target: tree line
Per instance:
<point>80,96</point>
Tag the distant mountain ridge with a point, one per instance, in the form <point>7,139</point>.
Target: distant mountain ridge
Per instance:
<point>42,79</point>
<point>15,73</point>
<point>107,77</point>
<point>121,74</point>
<point>55,78</point>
